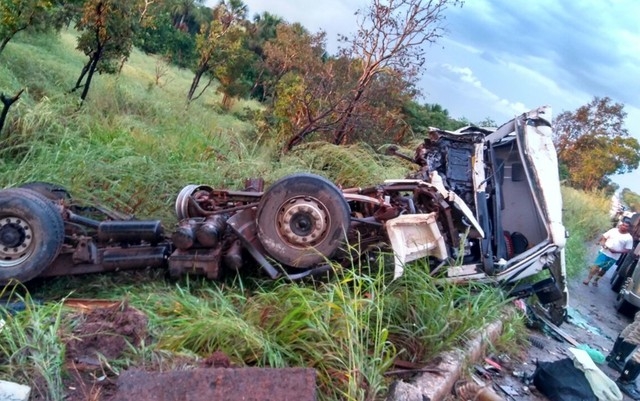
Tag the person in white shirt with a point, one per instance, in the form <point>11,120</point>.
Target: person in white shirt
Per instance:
<point>614,243</point>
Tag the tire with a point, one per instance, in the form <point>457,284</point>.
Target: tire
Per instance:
<point>51,191</point>
<point>624,270</point>
<point>623,307</point>
<point>302,220</point>
<point>31,234</point>
<point>616,281</point>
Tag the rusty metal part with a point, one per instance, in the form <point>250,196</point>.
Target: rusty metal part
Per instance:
<point>84,304</point>
<point>108,259</point>
<point>229,384</point>
<point>243,225</point>
<point>132,258</point>
<point>184,236</point>
<point>210,231</point>
<point>254,185</point>
<point>233,256</point>
<point>131,231</point>
<point>196,261</point>
<point>16,240</point>
<point>182,200</point>
<point>303,221</point>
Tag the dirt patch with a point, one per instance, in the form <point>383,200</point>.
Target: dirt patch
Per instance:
<point>99,336</point>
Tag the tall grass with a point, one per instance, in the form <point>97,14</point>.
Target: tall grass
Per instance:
<point>585,217</point>
<point>31,351</point>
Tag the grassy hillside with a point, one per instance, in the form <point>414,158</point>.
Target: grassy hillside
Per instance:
<point>135,142</point>
<point>133,145</point>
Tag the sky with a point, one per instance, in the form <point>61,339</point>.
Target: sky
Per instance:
<point>500,58</point>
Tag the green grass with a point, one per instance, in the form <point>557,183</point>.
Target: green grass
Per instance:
<point>132,146</point>
<point>585,217</point>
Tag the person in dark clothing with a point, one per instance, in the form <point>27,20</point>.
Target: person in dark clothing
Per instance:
<point>625,358</point>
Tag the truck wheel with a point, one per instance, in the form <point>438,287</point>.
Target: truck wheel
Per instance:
<point>624,307</point>
<point>616,281</point>
<point>31,234</point>
<point>51,191</point>
<point>302,220</point>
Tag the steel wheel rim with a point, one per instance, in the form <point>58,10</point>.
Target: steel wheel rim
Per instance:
<point>303,222</point>
<point>16,241</point>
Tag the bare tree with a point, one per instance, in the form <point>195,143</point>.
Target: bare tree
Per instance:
<point>391,35</point>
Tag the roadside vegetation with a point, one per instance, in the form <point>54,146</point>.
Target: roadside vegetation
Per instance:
<point>134,141</point>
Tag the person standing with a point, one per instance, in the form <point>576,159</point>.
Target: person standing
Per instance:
<point>614,243</point>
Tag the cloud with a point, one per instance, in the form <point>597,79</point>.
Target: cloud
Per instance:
<point>465,81</point>
<point>592,45</point>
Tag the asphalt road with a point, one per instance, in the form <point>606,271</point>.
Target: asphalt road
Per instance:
<point>593,321</point>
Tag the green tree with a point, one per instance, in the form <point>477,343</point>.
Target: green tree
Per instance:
<point>593,143</point>
<point>259,32</point>
<point>421,117</point>
<point>218,44</point>
<point>19,15</point>
<point>107,28</point>
<point>631,199</point>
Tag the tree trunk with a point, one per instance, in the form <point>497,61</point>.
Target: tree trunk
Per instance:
<point>6,103</point>
<point>341,133</point>
<point>4,44</point>
<point>92,70</point>
<point>85,68</point>
<point>194,83</point>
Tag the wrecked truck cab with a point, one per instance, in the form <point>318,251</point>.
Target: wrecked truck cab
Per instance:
<point>482,205</point>
<point>503,216</point>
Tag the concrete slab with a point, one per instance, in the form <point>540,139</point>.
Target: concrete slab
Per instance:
<point>219,384</point>
<point>438,386</point>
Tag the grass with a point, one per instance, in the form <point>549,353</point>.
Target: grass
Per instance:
<point>132,146</point>
<point>30,348</point>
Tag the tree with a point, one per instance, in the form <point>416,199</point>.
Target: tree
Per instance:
<point>260,31</point>
<point>19,15</point>
<point>593,143</point>
<point>107,28</point>
<point>360,93</point>
<point>631,199</point>
<point>421,117</point>
<point>391,36</point>
<point>217,41</point>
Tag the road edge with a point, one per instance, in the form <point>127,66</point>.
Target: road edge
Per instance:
<point>431,386</point>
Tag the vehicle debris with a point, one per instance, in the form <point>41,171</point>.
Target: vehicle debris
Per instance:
<point>483,205</point>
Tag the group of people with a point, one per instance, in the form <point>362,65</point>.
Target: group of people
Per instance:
<point>625,355</point>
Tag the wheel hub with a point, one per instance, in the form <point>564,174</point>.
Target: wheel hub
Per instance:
<point>303,222</point>
<point>15,240</point>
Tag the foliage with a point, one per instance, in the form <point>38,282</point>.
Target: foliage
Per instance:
<point>390,39</point>
<point>133,149</point>
<point>592,144</point>
<point>160,37</point>
<point>359,94</point>
<point>421,117</point>
<point>585,215</point>
<point>31,350</point>
<point>220,49</point>
<point>19,15</point>
<point>631,199</point>
<point>107,28</point>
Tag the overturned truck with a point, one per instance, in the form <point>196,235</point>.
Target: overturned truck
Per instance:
<point>482,205</point>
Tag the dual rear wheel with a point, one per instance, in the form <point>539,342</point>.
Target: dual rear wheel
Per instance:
<point>31,234</point>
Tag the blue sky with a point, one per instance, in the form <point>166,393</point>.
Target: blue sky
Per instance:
<point>499,58</point>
